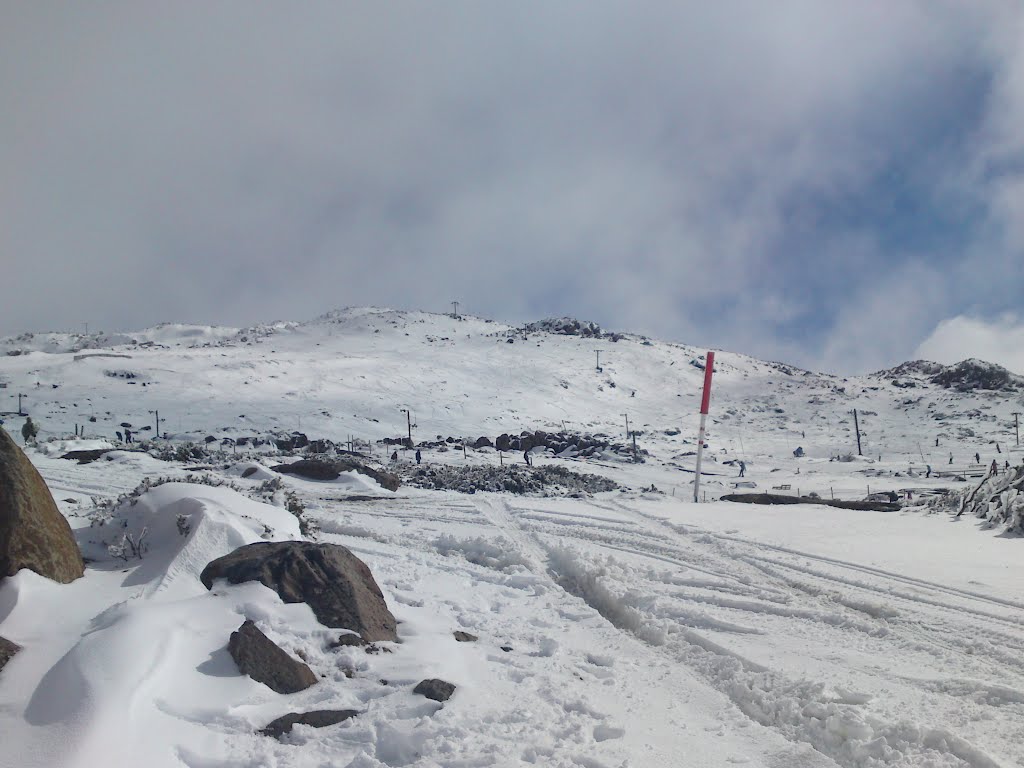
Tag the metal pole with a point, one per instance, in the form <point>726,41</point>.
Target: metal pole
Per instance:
<point>627,425</point>
<point>1016,425</point>
<point>455,310</point>
<point>856,426</point>
<point>408,423</point>
<point>709,367</point>
<point>598,365</point>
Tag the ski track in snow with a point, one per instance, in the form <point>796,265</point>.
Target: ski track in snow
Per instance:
<point>829,600</point>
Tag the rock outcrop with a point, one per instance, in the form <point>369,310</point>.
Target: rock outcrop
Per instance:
<point>33,532</point>
<point>7,651</point>
<point>264,661</point>
<point>435,689</point>
<point>336,584</point>
<point>318,469</point>
<point>318,719</point>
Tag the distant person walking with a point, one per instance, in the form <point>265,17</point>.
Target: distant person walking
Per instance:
<point>127,436</point>
<point>950,458</point>
<point>29,431</point>
<point>929,472</point>
<point>994,469</point>
<point>977,458</point>
<point>394,457</point>
<point>418,456</point>
<point>526,458</point>
<point>936,441</point>
<point>743,469</point>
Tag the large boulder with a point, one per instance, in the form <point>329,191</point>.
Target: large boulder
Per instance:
<point>7,651</point>
<point>336,584</point>
<point>318,469</point>
<point>264,661</point>
<point>33,532</point>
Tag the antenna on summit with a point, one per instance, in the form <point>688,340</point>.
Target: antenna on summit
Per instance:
<point>455,310</point>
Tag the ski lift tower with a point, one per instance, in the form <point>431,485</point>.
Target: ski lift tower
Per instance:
<point>709,369</point>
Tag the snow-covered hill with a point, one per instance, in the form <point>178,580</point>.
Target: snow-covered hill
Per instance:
<point>351,373</point>
<point>626,627</point>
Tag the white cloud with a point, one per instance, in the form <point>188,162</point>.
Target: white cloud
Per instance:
<point>674,168</point>
<point>957,338</point>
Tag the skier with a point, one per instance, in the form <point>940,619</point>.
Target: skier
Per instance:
<point>29,431</point>
<point>743,469</point>
<point>418,456</point>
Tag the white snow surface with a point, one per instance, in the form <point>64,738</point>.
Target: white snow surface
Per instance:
<point>626,628</point>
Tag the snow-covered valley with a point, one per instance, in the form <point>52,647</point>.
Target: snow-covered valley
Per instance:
<point>628,627</point>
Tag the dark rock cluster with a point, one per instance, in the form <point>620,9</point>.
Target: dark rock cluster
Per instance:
<point>549,480</point>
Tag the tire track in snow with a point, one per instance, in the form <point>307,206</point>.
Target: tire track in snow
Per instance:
<point>836,725</point>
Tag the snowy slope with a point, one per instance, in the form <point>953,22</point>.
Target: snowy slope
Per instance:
<point>625,628</point>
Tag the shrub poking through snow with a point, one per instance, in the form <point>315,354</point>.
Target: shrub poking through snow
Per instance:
<point>998,499</point>
<point>551,480</point>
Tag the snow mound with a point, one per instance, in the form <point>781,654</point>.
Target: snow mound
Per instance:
<point>175,529</point>
<point>60,447</point>
<point>250,470</point>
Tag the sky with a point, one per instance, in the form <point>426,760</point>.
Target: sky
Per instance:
<point>837,185</point>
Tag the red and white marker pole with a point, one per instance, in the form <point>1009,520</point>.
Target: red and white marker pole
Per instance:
<point>709,369</point>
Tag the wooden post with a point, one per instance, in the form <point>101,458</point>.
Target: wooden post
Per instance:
<point>634,446</point>
<point>856,426</point>
<point>1016,425</point>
